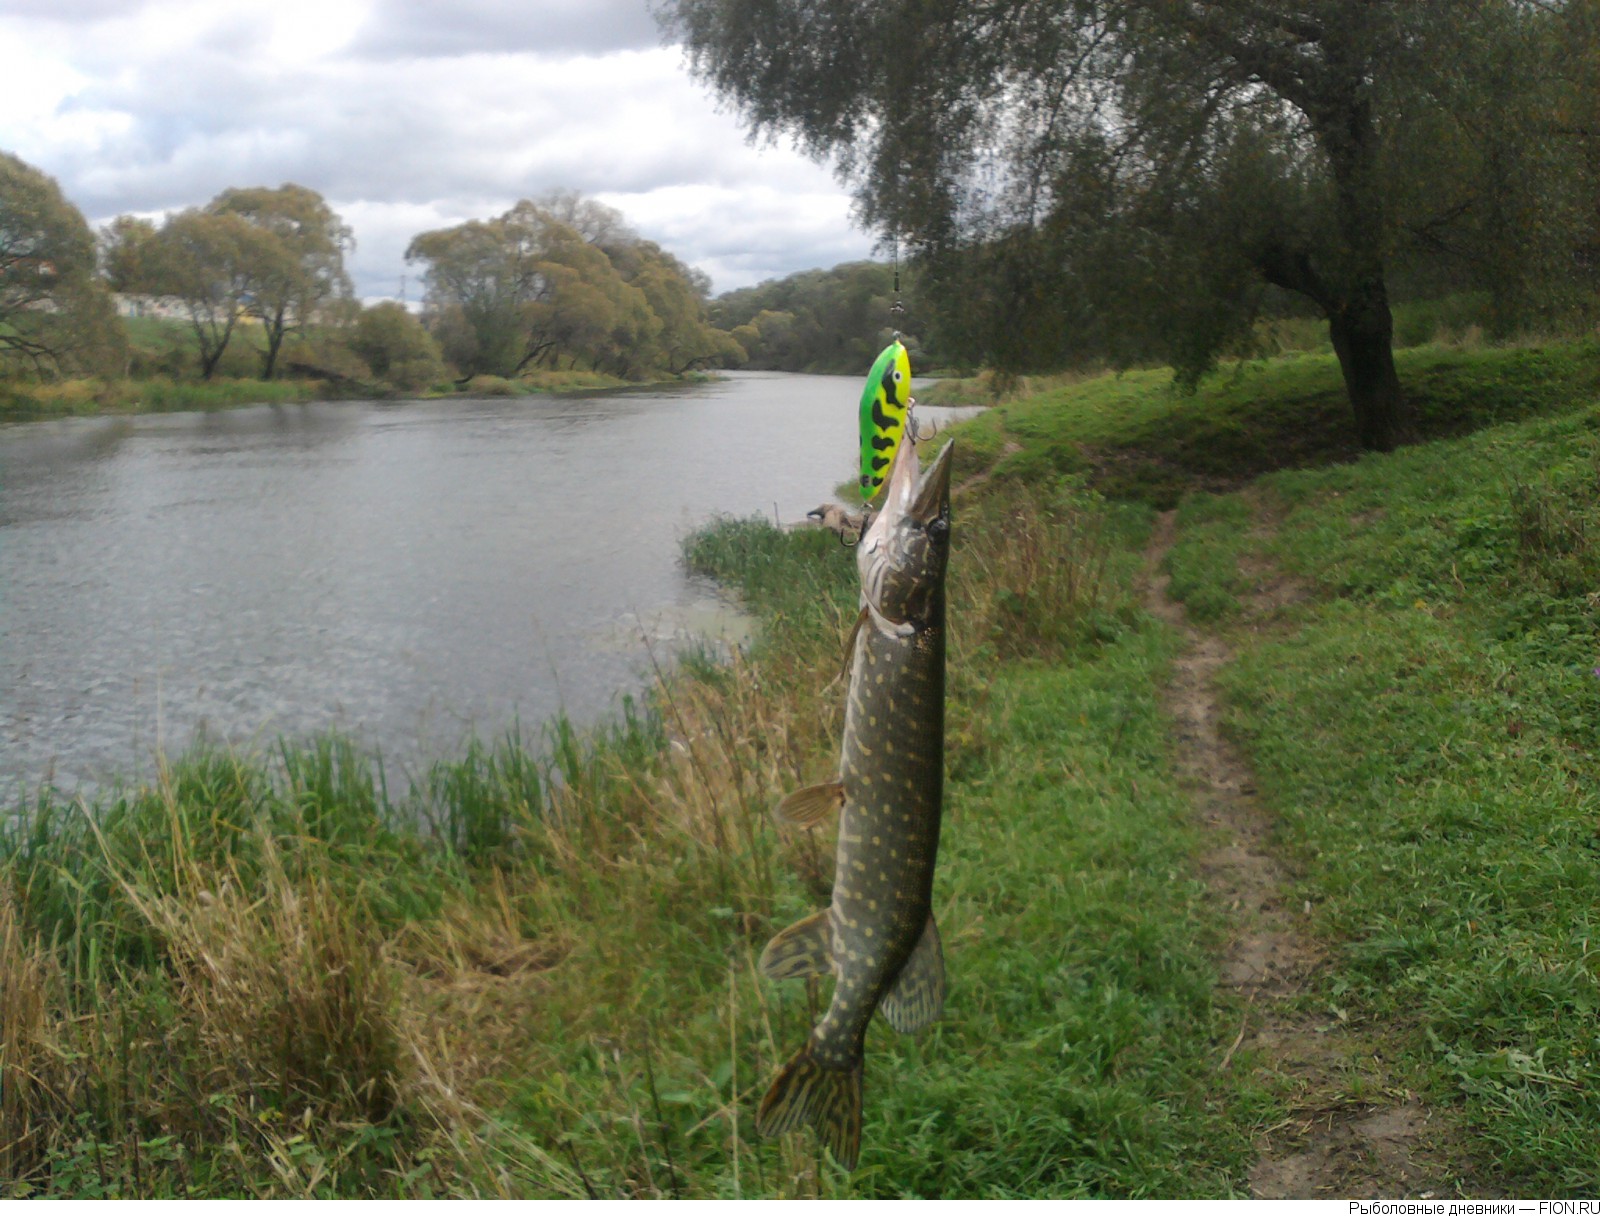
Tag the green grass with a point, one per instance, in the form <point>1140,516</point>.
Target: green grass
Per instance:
<point>1426,730</point>
<point>1136,436</point>
<point>158,394</point>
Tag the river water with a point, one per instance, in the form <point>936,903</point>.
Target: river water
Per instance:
<point>403,571</point>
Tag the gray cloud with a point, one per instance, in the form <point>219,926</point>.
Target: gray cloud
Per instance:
<point>71,12</point>
<point>414,29</point>
<point>168,106</point>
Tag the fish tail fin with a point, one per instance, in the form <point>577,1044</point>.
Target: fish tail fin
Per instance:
<point>827,1099</point>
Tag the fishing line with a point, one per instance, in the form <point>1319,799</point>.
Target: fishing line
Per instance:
<point>897,309</point>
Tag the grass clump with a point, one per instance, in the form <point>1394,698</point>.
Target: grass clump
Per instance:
<point>1204,563</point>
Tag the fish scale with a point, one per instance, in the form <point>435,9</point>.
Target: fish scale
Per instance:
<point>877,937</point>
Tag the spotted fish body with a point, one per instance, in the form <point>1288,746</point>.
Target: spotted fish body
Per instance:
<point>884,403</point>
<point>877,937</point>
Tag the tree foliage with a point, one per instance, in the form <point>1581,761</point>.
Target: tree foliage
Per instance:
<point>275,256</point>
<point>562,279</point>
<point>214,263</point>
<point>396,346</point>
<point>818,320</point>
<point>55,314</point>
<point>291,286</point>
<point>1134,177</point>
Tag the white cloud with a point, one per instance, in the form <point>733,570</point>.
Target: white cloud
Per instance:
<point>407,116</point>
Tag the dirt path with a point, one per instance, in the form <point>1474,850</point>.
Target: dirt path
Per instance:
<point>1350,1132</point>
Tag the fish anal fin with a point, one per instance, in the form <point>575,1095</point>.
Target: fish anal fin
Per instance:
<point>916,999</point>
<point>804,948</point>
<point>804,1093</point>
<point>808,807</point>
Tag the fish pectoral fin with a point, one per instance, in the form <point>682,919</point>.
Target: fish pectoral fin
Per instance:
<point>808,807</point>
<point>804,948</point>
<point>917,997</point>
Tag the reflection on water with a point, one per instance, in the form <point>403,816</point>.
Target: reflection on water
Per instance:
<point>404,571</point>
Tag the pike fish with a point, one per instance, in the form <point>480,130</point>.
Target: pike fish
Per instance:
<point>877,938</point>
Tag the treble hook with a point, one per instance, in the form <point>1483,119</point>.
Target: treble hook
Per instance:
<point>837,521</point>
<point>866,522</point>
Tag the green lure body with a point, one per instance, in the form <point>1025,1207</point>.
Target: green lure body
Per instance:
<point>885,401</point>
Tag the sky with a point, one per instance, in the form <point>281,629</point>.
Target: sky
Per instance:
<point>407,116</point>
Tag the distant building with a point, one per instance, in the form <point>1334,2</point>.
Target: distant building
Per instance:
<point>167,307</point>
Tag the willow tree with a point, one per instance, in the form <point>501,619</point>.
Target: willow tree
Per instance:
<point>55,314</point>
<point>505,294</point>
<point>214,263</point>
<point>1139,170</point>
<point>309,270</point>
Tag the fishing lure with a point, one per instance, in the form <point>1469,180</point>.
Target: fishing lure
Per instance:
<point>885,402</point>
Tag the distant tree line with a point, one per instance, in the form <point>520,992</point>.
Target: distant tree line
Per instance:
<point>561,282</point>
<point>821,320</point>
<point>1141,180</point>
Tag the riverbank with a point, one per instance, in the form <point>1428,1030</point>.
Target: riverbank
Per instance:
<point>551,991</point>
<point>27,402</point>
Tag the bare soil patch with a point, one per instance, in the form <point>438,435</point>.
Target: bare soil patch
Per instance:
<point>1350,1132</point>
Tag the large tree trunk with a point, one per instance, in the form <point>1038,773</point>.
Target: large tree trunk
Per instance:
<point>1362,332</point>
<point>275,327</point>
<point>1338,101</point>
<point>269,357</point>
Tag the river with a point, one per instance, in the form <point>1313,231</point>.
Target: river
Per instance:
<point>406,572</point>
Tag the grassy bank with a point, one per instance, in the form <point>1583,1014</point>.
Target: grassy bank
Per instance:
<point>1134,435</point>
<point>532,973</point>
<point>22,402</point>
<point>1415,686</point>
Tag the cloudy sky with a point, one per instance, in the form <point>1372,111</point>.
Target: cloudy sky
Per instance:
<point>407,115</point>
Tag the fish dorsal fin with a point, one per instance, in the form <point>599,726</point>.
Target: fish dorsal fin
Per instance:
<point>808,807</point>
<point>917,996</point>
<point>804,948</point>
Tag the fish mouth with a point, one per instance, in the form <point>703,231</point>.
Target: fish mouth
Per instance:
<point>922,495</point>
<point>932,497</point>
<point>902,557</point>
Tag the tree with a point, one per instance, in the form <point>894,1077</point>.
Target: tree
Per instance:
<point>505,294</point>
<point>604,227</point>
<point>396,347</point>
<point>214,262</point>
<point>123,245</point>
<point>676,294</point>
<point>833,320</point>
<point>54,313</point>
<point>288,290</point>
<point>1163,161</point>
